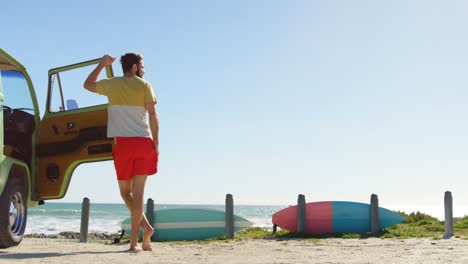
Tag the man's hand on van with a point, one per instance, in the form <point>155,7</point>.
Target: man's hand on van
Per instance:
<point>107,60</point>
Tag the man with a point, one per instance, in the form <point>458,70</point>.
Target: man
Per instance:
<point>135,153</point>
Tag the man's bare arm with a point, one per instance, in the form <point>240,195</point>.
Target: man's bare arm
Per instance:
<point>90,83</point>
<point>154,123</point>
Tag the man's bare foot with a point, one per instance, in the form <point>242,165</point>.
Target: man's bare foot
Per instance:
<point>147,248</point>
<point>147,233</point>
<point>135,248</point>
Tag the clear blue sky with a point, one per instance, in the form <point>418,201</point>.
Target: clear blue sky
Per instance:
<point>269,99</point>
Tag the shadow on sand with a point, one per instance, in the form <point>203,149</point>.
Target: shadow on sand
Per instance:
<point>7,255</point>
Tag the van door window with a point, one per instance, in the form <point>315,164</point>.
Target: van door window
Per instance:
<point>67,92</point>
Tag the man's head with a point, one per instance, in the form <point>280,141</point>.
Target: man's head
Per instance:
<point>132,63</point>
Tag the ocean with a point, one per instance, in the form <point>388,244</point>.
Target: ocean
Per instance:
<point>53,218</point>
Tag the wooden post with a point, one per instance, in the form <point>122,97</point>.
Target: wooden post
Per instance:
<point>84,221</point>
<point>301,215</point>
<point>448,202</point>
<point>374,214</point>
<point>150,211</point>
<point>229,216</point>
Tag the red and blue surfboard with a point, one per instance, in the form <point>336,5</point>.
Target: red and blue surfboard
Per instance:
<point>335,217</point>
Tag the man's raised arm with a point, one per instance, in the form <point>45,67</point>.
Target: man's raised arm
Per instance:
<point>90,83</point>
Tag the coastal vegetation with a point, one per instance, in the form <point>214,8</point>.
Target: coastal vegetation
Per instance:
<point>416,225</point>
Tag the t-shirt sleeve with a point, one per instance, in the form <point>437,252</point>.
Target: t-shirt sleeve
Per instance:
<point>149,94</point>
<point>103,86</point>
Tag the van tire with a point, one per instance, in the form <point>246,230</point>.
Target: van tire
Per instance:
<point>13,212</point>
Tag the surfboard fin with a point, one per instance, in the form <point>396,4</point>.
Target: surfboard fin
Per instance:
<point>117,239</point>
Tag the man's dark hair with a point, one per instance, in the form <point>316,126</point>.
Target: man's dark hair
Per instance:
<point>129,59</point>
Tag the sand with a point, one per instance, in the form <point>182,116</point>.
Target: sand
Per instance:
<point>330,250</point>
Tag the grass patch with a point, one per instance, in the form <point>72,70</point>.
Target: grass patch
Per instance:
<point>254,233</point>
<point>461,222</point>
<point>416,225</point>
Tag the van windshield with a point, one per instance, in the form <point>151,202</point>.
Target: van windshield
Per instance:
<point>16,94</point>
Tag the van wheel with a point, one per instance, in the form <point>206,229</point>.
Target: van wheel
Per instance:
<point>13,212</point>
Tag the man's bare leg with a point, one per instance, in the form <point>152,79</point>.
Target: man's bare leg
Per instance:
<point>126,193</point>
<point>148,232</point>
<point>138,189</point>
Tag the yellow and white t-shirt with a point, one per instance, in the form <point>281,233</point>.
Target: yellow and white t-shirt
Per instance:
<point>127,98</point>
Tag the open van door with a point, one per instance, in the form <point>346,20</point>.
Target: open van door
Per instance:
<point>73,129</point>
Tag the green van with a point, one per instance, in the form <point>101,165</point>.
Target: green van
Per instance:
<point>40,155</point>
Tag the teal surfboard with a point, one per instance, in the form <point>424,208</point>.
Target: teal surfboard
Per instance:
<point>189,224</point>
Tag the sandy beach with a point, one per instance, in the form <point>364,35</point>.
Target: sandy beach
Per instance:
<point>372,250</point>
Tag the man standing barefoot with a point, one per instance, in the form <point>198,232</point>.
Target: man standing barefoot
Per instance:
<point>135,154</point>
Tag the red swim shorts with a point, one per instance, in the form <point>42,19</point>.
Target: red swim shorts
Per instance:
<point>134,156</point>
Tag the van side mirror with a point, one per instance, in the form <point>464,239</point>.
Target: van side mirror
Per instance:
<point>72,104</point>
